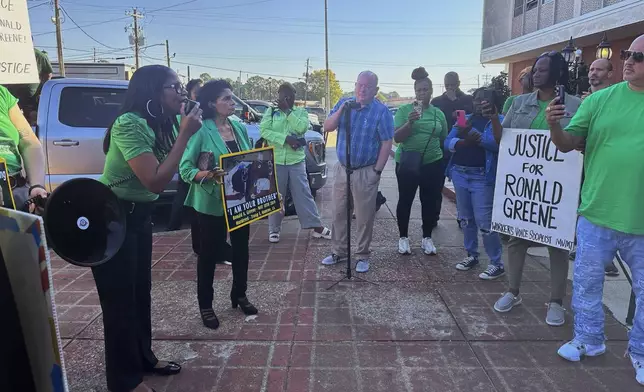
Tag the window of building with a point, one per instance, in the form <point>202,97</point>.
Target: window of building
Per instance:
<point>90,107</point>
<point>531,4</point>
<point>518,7</point>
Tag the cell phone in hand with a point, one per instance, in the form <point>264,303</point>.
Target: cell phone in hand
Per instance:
<point>489,96</point>
<point>189,105</point>
<point>561,94</point>
<point>461,120</point>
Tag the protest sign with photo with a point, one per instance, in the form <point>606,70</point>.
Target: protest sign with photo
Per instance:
<point>249,188</point>
<point>17,58</point>
<point>537,189</point>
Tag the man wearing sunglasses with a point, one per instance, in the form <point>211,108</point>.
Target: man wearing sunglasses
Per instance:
<point>611,214</point>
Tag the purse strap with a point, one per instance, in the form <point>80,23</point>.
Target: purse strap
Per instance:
<point>430,137</point>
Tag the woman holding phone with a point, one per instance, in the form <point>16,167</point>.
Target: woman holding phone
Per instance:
<point>421,129</point>
<point>528,111</point>
<point>472,169</point>
<point>143,148</point>
<point>219,135</point>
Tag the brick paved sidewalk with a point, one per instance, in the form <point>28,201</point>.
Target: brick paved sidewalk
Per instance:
<point>423,327</point>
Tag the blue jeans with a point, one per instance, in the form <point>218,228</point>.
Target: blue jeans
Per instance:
<point>596,248</point>
<point>474,199</point>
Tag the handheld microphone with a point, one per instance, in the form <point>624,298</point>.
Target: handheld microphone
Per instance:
<point>353,104</point>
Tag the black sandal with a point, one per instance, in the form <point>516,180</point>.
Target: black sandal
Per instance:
<point>168,370</point>
<point>209,318</point>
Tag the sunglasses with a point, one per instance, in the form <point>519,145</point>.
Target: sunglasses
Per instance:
<point>638,57</point>
<point>177,87</point>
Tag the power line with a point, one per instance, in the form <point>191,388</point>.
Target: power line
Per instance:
<point>281,76</point>
<point>113,20</point>
<point>85,32</point>
<point>38,5</point>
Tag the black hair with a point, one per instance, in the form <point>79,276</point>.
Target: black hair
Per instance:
<point>496,96</point>
<point>452,74</point>
<point>143,93</point>
<point>419,75</point>
<point>287,88</point>
<point>192,84</point>
<point>211,92</point>
<point>558,73</point>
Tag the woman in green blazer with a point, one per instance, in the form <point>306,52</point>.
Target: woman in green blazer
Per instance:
<point>219,135</point>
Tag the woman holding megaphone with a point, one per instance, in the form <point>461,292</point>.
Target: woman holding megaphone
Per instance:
<point>143,148</point>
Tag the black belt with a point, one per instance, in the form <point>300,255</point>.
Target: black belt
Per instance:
<point>17,181</point>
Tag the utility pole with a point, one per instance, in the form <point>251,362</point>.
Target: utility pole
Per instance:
<point>327,104</point>
<point>306,82</point>
<point>167,52</point>
<point>239,87</point>
<point>94,54</point>
<point>59,39</point>
<point>136,15</point>
<point>189,73</point>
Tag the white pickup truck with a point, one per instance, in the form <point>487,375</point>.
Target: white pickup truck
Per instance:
<point>74,114</point>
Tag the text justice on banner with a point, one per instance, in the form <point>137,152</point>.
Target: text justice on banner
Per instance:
<point>17,58</point>
<point>537,189</point>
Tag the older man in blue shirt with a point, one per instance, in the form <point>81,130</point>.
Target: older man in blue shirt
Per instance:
<point>372,131</point>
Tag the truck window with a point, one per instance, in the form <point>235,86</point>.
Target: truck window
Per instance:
<point>90,107</point>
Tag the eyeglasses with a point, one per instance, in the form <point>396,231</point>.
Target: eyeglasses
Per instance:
<point>638,57</point>
<point>177,87</point>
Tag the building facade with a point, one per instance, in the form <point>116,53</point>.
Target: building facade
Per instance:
<point>515,32</point>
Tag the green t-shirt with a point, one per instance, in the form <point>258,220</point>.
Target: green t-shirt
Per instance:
<point>432,124</point>
<point>540,121</point>
<point>611,121</point>
<point>9,136</point>
<point>507,104</point>
<point>130,137</point>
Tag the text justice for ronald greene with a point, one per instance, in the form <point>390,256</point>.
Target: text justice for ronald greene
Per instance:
<point>537,189</point>
<point>540,196</point>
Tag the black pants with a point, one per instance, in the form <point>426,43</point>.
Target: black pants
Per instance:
<point>430,181</point>
<point>124,285</point>
<point>213,241</point>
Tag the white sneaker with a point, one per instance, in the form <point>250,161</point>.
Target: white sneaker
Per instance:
<point>574,350</point>
<point>403,246</point>
<point>639,368</point>
<point>428,246</point>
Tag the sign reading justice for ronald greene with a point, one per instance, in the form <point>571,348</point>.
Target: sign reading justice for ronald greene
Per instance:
<point>17,58</point>
<point>537,189</point>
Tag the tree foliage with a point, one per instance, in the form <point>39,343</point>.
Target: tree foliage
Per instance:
<point>500,85</point>
<point>317,86</point>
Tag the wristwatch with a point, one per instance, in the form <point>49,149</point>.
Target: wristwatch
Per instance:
<point>378,172</point>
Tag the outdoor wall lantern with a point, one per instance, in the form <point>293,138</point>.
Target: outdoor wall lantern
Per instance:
<point>569,52</point>
<point>604,50</point>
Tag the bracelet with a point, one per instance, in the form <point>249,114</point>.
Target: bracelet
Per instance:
<point>31,188</point>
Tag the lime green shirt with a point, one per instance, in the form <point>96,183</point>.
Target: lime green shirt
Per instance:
<point>432,124</point>
<point>507,104</point>
<point>277,125</point>
<point>130,137</point>
<point>540,121</point>
<point>206,197</point>
<point>9,136</point>
<point>613,190</point>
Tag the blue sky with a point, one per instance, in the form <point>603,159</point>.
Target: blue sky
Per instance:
<point>277,36</point>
